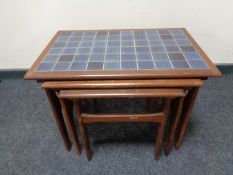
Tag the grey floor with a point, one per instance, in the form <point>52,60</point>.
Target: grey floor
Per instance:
<point>30,142</point>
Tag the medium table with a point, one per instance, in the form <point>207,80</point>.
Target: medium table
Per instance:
<point>96,56</point>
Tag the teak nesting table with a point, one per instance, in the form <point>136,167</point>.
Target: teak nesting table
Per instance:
<point>123,59</point>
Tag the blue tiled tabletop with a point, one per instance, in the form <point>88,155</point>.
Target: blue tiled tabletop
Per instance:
<point>150,49</point>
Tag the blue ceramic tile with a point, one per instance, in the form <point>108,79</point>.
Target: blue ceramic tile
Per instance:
<point>98,50</point>
<point>180,64</point>
<point>183,42</point>
<point>187,49</point>
<point>128,57</point>
<point>163,31</point>
<point>86,44</point>
<point>172,49</point>
<point>179,36</point>
<point>51,58</point>
<point>97,57</point>
<point>66,58</point>
<point>89,33</point>
<point>81,57</point>
<point>73,44</point>
<point>75,39</point>
<point>101,38</point>
<point>55,51</point>
<point>45,67</point>
<point>163,65</point>
<point>95,66</point>
<point>100,44</point>
<point>126,33</point>
<point>142,49</point>
<point>169,42</point>
<point>69,51</point>
<point>62,39</point>
<point>151,32</point>
<point>130,38</point>
<point>146,65</point>
<point>153,37</point>
<point>78,66</point>
<point>127,50</point>
<point>141,43</point>
<point>166,37</point>
<point>144,56</point>
<point>198,64</point>
<point>157,49</point>
<point>160,56</point>
<point>112,57</point>
<point>84,50</point>
<point>140,37</point>
<point>113,43</point>
<point>155,43</point>
<point>88,39</point>
<point>112,66</point>
<point>127,43</point>
<point>59,44</point>
<point>192,56</point>
<point>128,65</point>
<point>107,48</point>
<point>61,66</point>
<point>113,50</point>
<point>176,56</point>
<point>176,31</point>
<point>114,38</point>
<point>77,34</point>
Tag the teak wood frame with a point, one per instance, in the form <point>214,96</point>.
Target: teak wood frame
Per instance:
<point>130,84</point>
<point>123,74</point>
<point>201,74</point>
<point>160,117</point>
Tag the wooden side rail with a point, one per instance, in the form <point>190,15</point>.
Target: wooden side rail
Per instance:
<point>159,117</point>
<point>107,84</point>
<point>121,93</point>
<point>95,118</point>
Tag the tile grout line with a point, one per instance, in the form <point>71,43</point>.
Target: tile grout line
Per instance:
<point>151,52</point>
<point>91,51</point>
<point>76,52</point>
<point>120,52</point>
<point>105,51</point>
<point>134,43</point>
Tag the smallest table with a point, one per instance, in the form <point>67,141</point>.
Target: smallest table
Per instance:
<point>141,54</point>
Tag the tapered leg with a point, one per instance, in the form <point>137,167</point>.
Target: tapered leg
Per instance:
<point>83,130</point>
<point>68,116</point>
<point>57,113</point>
<point>187,109</point>
<point>160,133</point>
<point>172,129</point>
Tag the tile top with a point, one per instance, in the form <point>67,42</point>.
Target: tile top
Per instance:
<point>150,49</point>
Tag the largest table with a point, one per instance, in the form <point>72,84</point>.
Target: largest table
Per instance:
<point>130,54</point>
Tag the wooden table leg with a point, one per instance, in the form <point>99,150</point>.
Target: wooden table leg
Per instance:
<point>177,109</point>
<point>187,109</point>
<point>67,109</point>
<point>83,130</point>
<point>57,113</point>
<point>160,132</point>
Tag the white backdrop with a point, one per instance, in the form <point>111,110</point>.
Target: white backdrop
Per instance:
<point>26,26</point>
